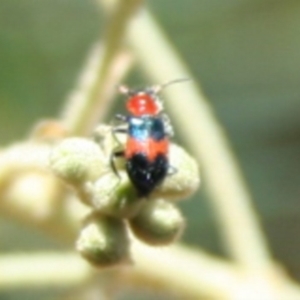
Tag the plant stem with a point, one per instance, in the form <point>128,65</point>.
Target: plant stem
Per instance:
<point>193,274</point>
<point>197,123</point>
<point>105,67</point>
<point>42,269</point>
<point>207,276</point>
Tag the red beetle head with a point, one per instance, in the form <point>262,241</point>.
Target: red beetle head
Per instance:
<point>146,101</point>
<point>143,103</point>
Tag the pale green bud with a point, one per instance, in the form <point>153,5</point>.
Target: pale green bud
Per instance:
<point>115,196</point>
<point>77,160</point>
<point>159,222</point>
<point>103,241</point>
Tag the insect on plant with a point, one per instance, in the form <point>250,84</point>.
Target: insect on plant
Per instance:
<point>148,131</point>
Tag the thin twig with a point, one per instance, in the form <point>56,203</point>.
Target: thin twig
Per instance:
<point>42,269</point>
<point>193,274</point>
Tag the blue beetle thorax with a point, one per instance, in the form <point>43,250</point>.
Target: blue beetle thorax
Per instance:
<point>146,127</point>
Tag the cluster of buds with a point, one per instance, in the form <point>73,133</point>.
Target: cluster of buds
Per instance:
<point>115,205</point>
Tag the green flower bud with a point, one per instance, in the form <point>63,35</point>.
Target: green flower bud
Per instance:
<point>114,196</point>
<point>103,241</point>
<point>159,222</point>
<point>77,160</point>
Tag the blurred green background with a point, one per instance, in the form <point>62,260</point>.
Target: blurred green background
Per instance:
<point>246,55</point>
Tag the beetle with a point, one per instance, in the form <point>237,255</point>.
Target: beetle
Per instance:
<point>148,131</point>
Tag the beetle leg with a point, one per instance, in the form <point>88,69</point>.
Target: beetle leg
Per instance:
<point>115,154</point>
<point>172,170</point>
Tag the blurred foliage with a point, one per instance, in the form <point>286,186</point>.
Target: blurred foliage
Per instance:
<point>43,46</point>
<point>246,54</point>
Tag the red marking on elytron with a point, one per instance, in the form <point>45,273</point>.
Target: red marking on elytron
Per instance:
<point>142,104</point>
<point>150,148</point>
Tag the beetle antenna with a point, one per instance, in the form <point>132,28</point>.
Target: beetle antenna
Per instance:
<point>157,88</point>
